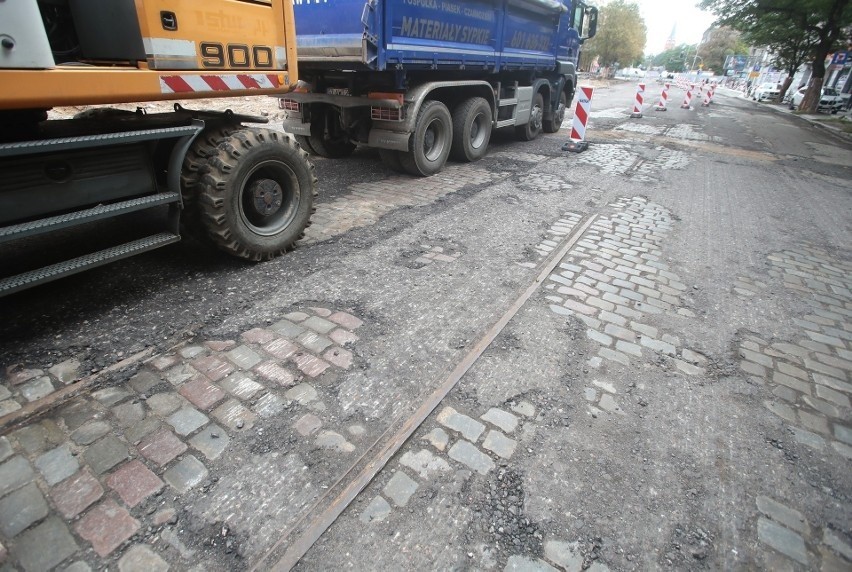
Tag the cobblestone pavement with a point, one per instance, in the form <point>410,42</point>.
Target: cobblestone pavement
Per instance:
<point>635,414</point>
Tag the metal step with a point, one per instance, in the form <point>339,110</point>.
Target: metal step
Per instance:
<point>87,141</point>
<point>505,123</point>
<point>505,102</point>
<point>75,265</point>
<point>41,226</point>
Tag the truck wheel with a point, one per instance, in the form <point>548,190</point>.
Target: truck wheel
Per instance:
<point>471,129</point>
<point>532,129</point>
<point>257,194</point>
<point>553,124</point>
<point>194,166</point>
<point>327,137</point>
<point>305,144</point>
<point>390,157</point>
<point>430,143</point>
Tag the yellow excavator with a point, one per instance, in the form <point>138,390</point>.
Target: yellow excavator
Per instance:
<point>109,183</point>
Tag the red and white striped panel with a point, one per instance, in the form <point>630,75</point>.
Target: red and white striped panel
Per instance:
<point>581,113</point>
<point>186,83</point>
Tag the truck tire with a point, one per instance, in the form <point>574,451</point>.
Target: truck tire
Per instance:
<point>430,143</point>
<point>327,138</point>
<point>532,129</point>
<point>471,130</point>
<point>305,144</point>
<point>390,157</point>
<point>257,194</point>
<point>553,124</point>
<point>194,166</point>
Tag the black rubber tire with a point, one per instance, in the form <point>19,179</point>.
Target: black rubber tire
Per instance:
<point>103,113</point>
<point>554,124</point>
<point>195,162</point>
<point>257,194</point>
<point>390,157</point>
<point>471,129</point>
<point>533,127</point>
<point>429,145</point>
<point>305,143</point>
<point>327,138</point>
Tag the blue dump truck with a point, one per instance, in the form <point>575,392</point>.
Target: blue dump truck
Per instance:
<point>424,80</point>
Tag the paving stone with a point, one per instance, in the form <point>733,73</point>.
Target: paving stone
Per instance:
<point>29,549</point>
<point>78,566</point>
<point>502,419</point>
<point>129,413</point>
<point>313,342</point>
<point>823,407</point>
<point>783,515</point>
<point>187,420</point>
<point>599,337</point>
<point>165,403</point>
<point>813,422</point>
<point>791,382</point>
<point>105,454</point>
<point>5,449</point>
<point>320,325</point>
<point>36,389</point>
<point>400,488</point>
<point>833,396</point>
<point>564,554</point>
<point>164,362</point>
<point>240,385</point>
<point>470,428</point>
<point>74,495</point>
<point>91,432</point>
<point>66,371</point>
<point>190,352</point>
<point>234,415</point>
<point>134,482</point>
<point>688,368</point>
<point>613,355</point>
<point>807,438</point>
<point>165,516</point>
<point>832,383</point>
<point>287,328</point>
<point>281,349</point>
<point>835,362</point>
<point>8,406</point>
<point>141,430</point>
<point>342,337</point>
<point>162,447</point>
<point>21,509</point>
<point>269,405</point>
<point>792,370</point>
<point>783,540</point>
<point>438,438</point>
<point>843,433</point>
<point>820,367</point>
<point>187,473</point>
<point>211,441</point>
<point>579,307</point>
<point>179,374</point>
<point>110,396</point>
<point>833,540</point>
<point>524,408</point>
<point>378,509</point>
<point>140,558</point>
<point>519,563</point>
<point>257,336</point>
<point>273,372</point>
<point>339,357</point>
<point>171,537</point>
<point>335,441</point>
<point>18,375</point>
<point>424,463</point>
<point>464,452</point>
<point>658,345</point>
<point>692,357</point>
<point>303,393</point>
<point>144,381</point>
<point>499,444</point>
<point>757,357</point>
<point>783,411</point>
<point>244,357</point>
<point>213,367</point>
<point>310,365</point>
<point>201,393</point>
<point>220,345</point>
<point>57,465</point>
<point>107,526</point>
<point>628,348</point>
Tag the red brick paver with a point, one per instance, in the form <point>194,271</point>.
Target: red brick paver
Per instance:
<point>310,365</point>
<point>346,320</point>
<point>342,337</point>
<point>74,495</point>
<point>107,526</point>
<point>201,393</point>
<point>339,357</point>
<point>274,372</point>
<point>281,348</point>
<point>213,367</point>
<point>258,336</point>
<point>134,482</point>
<point>162,447</point>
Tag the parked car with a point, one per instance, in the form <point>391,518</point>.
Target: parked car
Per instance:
<point>766,92</point>
<point>830,99</point>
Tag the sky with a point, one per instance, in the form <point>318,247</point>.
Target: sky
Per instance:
<point>661,15</point>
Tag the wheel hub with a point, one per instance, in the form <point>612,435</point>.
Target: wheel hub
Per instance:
<point>267,196</point>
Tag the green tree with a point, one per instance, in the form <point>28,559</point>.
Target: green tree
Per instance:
<point>721,43</point>
<point>620,37</point>
<point>675,59</point>
<point>826,21</point>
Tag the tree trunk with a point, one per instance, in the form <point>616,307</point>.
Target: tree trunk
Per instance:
<point>785,86</point>
<point>814,93</point>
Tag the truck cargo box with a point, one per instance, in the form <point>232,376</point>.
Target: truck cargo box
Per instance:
<point>428,34</point>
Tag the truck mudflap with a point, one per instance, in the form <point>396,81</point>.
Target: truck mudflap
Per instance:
<point>384,139</point>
